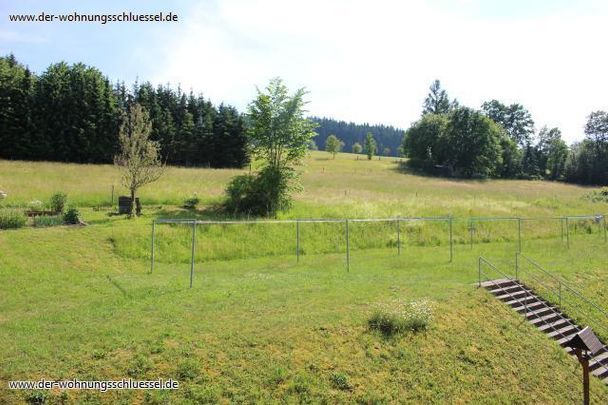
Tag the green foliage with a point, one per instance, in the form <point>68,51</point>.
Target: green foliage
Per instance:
<point>192,202</point>
<point>424,141</point>
<point>398,317</point>
<point>72,113</point>
<point>437,101</point>
<point>12,219</point>
<point>587,162</point>
<point>598,196</point>
<point>357,148</point>
<point>188,369</point>
<point>340,381</point>
<point>278,131</point>
<point>44,221</point>
<point>58,202</point>
<point>71,216</point>
<point>333,145</point>
<point>472,144</point>
<point>262,194</point>
<point>370,146</point>
<point>351,133</point>
<point>514,118</point>
<point>139,366</point>
<point>37,397</point>
<point>279,135</point>
<point>35,205</point>
<point>139,157</point>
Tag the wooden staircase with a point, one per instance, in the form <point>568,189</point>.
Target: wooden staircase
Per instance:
<point>547,318</point>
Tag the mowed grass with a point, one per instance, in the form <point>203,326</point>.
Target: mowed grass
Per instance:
<point>79,302</point>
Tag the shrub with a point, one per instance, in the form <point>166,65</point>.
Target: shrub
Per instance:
<point>600,195</point>
<point>35,205</point>
<point>340,381</point>
<point>12,219</point>
<point>399,317</point>
<point>72,216</point>
<point>192,202</point>
<point>44,221</point>
<point>139,366</point>
<point>58,202</point>
<point>262,194</point>
<point>188,369</point>
<point>2,195</point>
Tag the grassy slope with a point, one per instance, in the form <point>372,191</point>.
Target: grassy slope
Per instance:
<point>77,302</point>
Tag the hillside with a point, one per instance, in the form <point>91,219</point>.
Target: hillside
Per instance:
<point>258,326</point>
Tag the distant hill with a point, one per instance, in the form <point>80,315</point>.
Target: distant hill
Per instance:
<point>349,132</point>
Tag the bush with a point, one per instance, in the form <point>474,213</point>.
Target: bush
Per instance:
<point>399,317</point>
<point>35,205</point>
<point>72,216</point>
<point>44,221</point>
<point>340,381</point>
<point>263,194</point>
<point>192,202</point>
<point>600,195</point>
<point>58,202</point>
<point>12,219</point>
<point>188,369</point>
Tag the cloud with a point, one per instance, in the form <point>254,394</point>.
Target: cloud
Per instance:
<point>373,62</point>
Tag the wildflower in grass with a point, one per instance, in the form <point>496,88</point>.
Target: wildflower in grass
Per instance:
<point>400,316</point>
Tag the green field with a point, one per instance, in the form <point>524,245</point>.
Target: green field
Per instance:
<point>79,302</point>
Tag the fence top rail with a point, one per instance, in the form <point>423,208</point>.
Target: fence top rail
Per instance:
<point>293,221</point>
<point>389,219</point>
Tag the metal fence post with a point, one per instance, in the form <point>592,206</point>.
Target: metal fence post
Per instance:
<point>451,240</point>
<point>604,227</point>
<point>347,249</point>
<point>193,244</point>
<point>471,232</point>
<point>517,266</point>
<point>561,221</point>
<point>152,247</point>
<point>398,236</point>
<point>479,272</point>
<point>519,235</point>
<point>560,294</point>
<point>298,241</point>
<point>567,233</point>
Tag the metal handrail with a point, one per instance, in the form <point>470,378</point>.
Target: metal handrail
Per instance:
<point>563,283</point>
<point>543,303</point>
<point>602,362</point>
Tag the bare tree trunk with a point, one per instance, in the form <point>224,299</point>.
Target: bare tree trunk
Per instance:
<point>132,202</point>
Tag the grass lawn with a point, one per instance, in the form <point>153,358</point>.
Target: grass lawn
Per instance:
<point>79,302</point>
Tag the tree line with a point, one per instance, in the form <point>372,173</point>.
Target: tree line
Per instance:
<point>500,141</point>
<point>72,113</point>
<point>387,138</point>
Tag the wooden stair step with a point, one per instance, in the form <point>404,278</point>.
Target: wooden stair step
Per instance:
<point>502,282</point>
<point>560,333</point>
<point>555,325</point>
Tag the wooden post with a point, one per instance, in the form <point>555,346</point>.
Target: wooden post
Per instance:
<point>584,360</point>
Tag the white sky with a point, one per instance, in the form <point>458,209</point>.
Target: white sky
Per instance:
<point>373,61</point>
<point>363,61</point>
